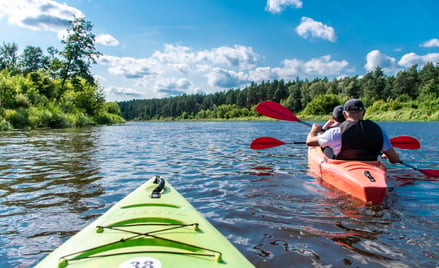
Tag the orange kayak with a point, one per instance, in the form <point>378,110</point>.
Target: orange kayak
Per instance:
<point>365,180</point>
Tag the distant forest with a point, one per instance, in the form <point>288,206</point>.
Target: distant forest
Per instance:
<point>414,89</point>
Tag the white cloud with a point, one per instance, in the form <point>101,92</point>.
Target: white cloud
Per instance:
<point>277,6</point>
<point>179,69</point>
<point>375,58</point>
<point>107,40</point>
<point>174,54</point>
<point>172,86</point>
<point>45,15</point>
<point>222,78</point>
<point>123,92</point>
<point>325,66</point>
<point>292,68</point>
<point>389,64</point>
<point>181,59</point>
<point>411,59</point>
<point>309,27</point>
<point>266,73</point>
<point>39,14</point>
<point>130,67</point>
<point>431,43</point>
<point>237,56</point>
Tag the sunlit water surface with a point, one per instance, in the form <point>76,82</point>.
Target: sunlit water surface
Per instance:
<point>55,182</point>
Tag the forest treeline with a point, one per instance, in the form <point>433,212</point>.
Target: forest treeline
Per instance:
<point>411,94</point>
<point>54,90</point>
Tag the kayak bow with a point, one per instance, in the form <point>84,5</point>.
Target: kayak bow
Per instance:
<point>153,226</point>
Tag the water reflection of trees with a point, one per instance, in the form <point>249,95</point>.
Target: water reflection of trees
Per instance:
<point>45,174</point>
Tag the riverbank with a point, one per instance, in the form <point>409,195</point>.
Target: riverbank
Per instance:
<point>403,115</point>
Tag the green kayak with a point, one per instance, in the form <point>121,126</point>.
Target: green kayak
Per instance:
<point>152,227</point>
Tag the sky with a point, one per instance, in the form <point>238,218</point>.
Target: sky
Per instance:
<point>163,48</point>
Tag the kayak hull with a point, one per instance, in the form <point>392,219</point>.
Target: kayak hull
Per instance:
<point>364,180</point>
<point>141,231</point>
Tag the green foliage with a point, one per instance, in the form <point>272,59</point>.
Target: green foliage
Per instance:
<point>39,117</point>
<point>5,125</point>
<point>379,106</point>
<point>22,101</point>
<point>82,120</point>
<point>18,118</point>
<point>322,104</point>
<point>108,119</point>
<point>7,90</point>
<point>44,91</point>
<point>26,105</point>
<point>112,108</point>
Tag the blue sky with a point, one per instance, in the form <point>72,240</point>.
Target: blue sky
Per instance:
<point>161,48</point>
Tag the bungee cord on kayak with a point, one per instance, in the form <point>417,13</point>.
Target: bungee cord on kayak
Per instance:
<point>95,252</point>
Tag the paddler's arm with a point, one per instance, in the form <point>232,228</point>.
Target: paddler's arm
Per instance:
<point>388,150</point>
<point>311,139</point>
<point>329,123</point>
<point>392,155</point>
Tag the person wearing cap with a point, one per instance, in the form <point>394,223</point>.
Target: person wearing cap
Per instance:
<point>336,119</point>
<point>355,138</point>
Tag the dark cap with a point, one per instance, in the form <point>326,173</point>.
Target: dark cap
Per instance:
<point>354,105</point>
<point>338,113</point>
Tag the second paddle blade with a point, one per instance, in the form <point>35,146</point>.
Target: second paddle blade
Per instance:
<point>405,142</point>
<point>265,143</point>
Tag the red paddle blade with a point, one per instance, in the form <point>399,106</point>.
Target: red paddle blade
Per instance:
<point>432,173</point>
<point>275,110</point>
<point>265,143</point>
<point>405,142</point>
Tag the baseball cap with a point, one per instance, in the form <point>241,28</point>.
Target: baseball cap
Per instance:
<point>338,113</point>
<point>354,105</point>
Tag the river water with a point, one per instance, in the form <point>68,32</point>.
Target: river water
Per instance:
<point>55,182</point>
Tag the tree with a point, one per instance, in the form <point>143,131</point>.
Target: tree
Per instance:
<point>317,88</point>
<point>406,82</point>
<point>429,81</point>
<point>293,101</point>
<point>79,51</point>
<point>52,64</point>
<point>374,84</point>
<point>8,56</point>
<point>280,92</point>
<point>32,59</point>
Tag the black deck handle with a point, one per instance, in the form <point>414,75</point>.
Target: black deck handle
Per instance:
<point>157,190</point>
<point>369,176</point>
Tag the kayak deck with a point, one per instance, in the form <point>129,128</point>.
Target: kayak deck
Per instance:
<point>153,226</point>
<point>365,180</point>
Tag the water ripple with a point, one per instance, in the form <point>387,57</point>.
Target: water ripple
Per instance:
<point>55,182</point>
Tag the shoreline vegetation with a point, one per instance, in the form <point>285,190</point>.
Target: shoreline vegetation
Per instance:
<point>399,116</point>
<point>57,90</point>
<point>380,111</point>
